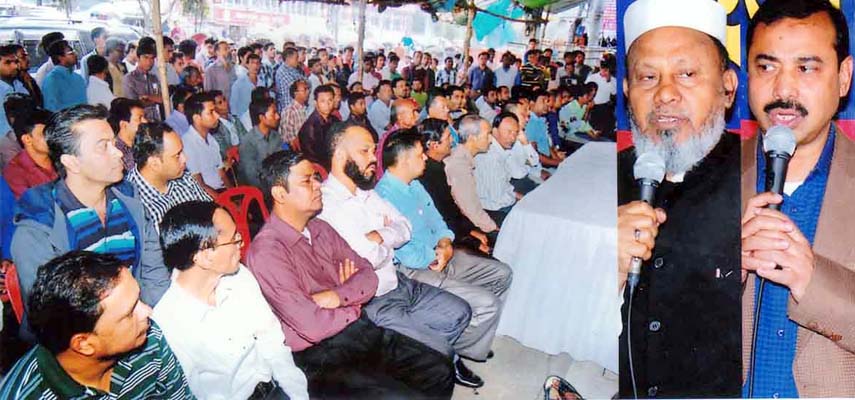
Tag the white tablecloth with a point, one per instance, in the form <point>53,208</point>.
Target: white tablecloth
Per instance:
<point>561,242</point>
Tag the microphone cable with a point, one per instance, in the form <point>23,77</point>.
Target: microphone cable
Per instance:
<point>629,340</point>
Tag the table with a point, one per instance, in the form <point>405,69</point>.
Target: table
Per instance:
<point>561,242</point>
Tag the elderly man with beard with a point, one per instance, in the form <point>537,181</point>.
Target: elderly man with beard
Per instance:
<point>374,228</point>
<point>685,315</point>
<point>799,68</point>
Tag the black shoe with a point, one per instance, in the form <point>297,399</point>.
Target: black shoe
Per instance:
<point>490,354</point>
<point>464,376</point>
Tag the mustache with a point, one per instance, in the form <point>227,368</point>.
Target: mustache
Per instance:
<point>786,105</point>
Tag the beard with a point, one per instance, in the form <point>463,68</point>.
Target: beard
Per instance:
<point>680,157</point>
<point>358,177</point>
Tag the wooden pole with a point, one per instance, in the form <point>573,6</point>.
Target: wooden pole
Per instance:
<point>469,20</point>
<point>157,29</point>
<point>360,31</point>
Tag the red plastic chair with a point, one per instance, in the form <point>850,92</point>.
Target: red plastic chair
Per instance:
<point>320,170</point>
<point>244,196</point>
<point>13,288</point>
<point>233,158</point>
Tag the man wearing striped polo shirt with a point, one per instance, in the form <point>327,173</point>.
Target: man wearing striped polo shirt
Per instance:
<point>111,351</point>
<point>88,208</point>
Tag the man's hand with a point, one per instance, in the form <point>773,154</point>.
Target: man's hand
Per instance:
<point>374,237</point>
<point>770,239</point>
<point>346,270</point>
<point>522,138</point>
<point>544,174</point>
<point>327,299</point>
<point>638,225</point>
<point>444,252</point>
<point>484,247</point>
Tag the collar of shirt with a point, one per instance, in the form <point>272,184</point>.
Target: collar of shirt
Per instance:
<point>336,188</point>
<point>196,135</point>
<point>99,82</point>
<point>287,235</point>
<point>463,154</point>
<point>196,308</point>
<point>56,378</point>
<point>396,184</point>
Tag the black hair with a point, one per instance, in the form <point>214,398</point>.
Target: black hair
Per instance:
<point>502,116</point>
<point>189,70</point>
<point>146,47</point>
<point>185,230</point>
<point>382,83</point>
<point>451,89</point>
<point>313,61</point>
<point>167,41</point>
<point>114,44</point>
<point>324,89</point>
<point>62,134</point>
<point>772,11</point>
<point>17,104</point>
<point>8,50</point>
<point>149,142</point>
<point>394,82</point>
<point>253,56</point>
<point>243,51</point>
<point>196,104</point>
<point>289,52</point>
<point>399,142</point>
<point>259,107</point>
<point>179,96</point>
<point>294,86</point>
<point>432,130</point>
<point>275,170</point>
<point>188,47</point>
<point>211,40</point>
<point>57,50</point>
<point>256,46</point>
<point>120,110</point>
<point>336,133</point>
<point>353,97</point>
<point>260,92</point>
<point>26,122</point>
<point>66,296</point>
<point>49,38</point>
<point>95,33</point>
<point>96,64</point>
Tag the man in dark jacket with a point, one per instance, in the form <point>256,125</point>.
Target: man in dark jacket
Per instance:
<point>686,316</point>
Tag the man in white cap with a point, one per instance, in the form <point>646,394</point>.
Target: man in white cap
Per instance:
<point>684,332</point>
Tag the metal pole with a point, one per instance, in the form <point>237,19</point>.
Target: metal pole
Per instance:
<point>360,31</point>
<point>157,29</point>
<point>545,22</point>
<point>470,18</point>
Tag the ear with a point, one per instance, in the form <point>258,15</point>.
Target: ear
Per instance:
<point>730,82</point>
<point>27,139</point>
<point>202,258</point>
<point>279,194</point>
<point>625,87</point>
<point>123,125</point>
<point>83,344</point>
<point>70,162</point>
<point>845,74</point>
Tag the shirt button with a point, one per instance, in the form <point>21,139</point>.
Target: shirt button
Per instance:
<point>780,333</point>
<point>652,391</point>
<point>657,263</point>
<point>654,326</point>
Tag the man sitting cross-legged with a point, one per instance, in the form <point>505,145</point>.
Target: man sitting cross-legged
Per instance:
<point>317,286</point>
<point>430,257</point>
<point>374,228</point>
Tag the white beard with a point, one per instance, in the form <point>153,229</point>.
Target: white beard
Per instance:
<point>680,157</point>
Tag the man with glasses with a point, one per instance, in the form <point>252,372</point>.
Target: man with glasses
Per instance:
<point>62,87</point>
<point>243,353</point>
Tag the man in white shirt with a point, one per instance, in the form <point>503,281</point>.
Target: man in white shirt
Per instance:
<point>380,110</point>
<point>486,104</point>
<point>374,228</point>
<point>369,81</point>
<point>227,340</point>
<point>98,90</point>
<point>200,146</point>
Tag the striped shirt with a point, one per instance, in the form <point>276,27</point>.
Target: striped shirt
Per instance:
<point>178,191</point>
<point>117,235</point>
<point>151,372</point>
<point>493,173</point>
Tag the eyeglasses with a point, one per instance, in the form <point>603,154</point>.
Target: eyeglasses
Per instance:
<point>237,239</point>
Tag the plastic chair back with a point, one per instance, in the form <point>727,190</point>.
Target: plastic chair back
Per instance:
<point>237,201</point>
<point>13,288</point>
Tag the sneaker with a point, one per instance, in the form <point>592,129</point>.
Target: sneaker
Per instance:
<point>464,376</point>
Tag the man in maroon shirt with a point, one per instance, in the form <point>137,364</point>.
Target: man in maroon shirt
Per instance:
<point>316,285</point>
<point>32,166</point>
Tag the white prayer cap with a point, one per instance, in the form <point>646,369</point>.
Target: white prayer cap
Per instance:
<point>642,16</point>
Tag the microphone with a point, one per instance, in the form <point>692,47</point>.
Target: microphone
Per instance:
<point>649,169</point>
<point>779,143</point>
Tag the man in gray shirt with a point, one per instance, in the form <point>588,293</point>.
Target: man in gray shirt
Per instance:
<point>262,141</point>
<point>142,84</point>
<point>221,74</point>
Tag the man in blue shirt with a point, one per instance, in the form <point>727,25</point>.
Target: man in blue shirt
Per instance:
<point>537,130</point>
<point>9,82</point>
<point>481,77</point>
<point>429,256</point>
<point>62,88</point>
<point>799,68</point>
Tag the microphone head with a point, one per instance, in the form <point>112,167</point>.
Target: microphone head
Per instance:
<point>779,139</point>
<point>649,165</point>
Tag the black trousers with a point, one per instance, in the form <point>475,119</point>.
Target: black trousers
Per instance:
<point>364,361</point>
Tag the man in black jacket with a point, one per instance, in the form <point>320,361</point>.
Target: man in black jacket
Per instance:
<point>685,316</point>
